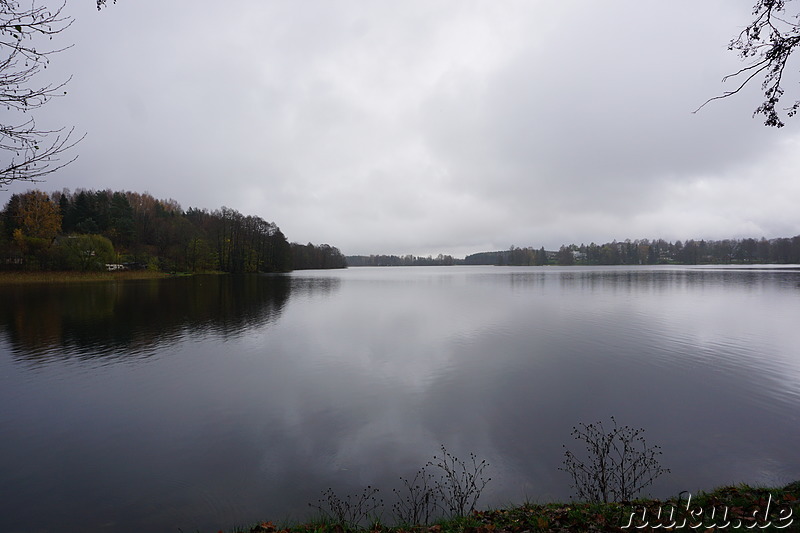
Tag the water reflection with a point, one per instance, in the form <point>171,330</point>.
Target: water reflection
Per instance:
<point>652,278</point>
<point>312,283</point>
<point>368,371</point>
<point>134,319</point>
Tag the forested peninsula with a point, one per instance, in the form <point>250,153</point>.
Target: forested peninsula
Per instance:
<point>88,230</point>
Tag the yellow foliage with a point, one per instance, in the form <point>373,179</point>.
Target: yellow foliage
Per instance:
<point>39,217</point>
<point>19,238</point>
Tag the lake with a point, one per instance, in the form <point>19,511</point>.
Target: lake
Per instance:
<point>209,402</point>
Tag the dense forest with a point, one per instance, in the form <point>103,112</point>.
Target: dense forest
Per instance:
<point>96,230</point>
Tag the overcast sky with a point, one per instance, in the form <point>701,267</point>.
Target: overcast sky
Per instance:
<point>425,126</point>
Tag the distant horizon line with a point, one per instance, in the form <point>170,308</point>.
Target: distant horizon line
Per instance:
<point>793,242</point>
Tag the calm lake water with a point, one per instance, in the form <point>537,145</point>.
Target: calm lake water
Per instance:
<point>205,403</point>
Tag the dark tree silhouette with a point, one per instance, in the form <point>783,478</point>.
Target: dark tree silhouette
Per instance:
<point>766,43</point>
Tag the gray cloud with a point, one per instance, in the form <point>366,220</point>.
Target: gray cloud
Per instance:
<point>420,127</point>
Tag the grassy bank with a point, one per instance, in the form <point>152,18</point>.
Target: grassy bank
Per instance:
<point>24,278</point>
<point>732,508</point>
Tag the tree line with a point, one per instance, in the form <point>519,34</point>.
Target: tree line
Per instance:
<point>396,260</point>
<point>781,250</point>
<point>95,230</point>
<point>309,256</point>
<point>637,252</point>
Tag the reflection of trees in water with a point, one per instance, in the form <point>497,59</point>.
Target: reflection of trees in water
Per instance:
<point>93,320</point>
<point>308,286</point>
<point>664,280</point>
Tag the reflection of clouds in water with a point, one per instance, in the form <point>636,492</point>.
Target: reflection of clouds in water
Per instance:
<point>719,318</point>
<point>385,357</point>
<point>361,380</point>
<point>508,370</point>
<point>401,337</point>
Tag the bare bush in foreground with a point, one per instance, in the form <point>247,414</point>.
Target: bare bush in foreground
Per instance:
<point>618,463</point>
<point>351,511</point>
<point>461,482</point>
<point>416,500</point>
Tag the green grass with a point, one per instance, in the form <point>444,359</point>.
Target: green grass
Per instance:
<point>24,278</point>
<point>736,508</point>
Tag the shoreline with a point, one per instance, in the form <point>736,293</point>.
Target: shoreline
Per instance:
<point>737,508</point>
<point>53,277</point>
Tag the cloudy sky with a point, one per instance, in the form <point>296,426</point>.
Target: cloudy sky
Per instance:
<point>427,126</point>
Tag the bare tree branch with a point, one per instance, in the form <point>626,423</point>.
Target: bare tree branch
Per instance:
<point>28,152</point>
<point>769,40</point>
<point>35,159</point>
<point>762,66</point>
